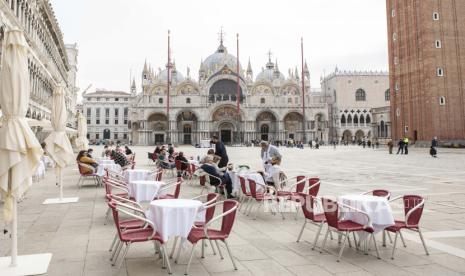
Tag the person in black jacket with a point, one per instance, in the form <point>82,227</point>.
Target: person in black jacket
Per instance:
<point>400,144</point>
<point>216,176</point>
<point>220,150</point>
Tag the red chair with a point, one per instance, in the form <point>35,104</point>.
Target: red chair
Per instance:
<point>260,196</point>
<point>176,193</point>
<point>209,199</point>
<point>130,236</point>
<point>206,233</point>
<point>158,175</point>
<point>380,193</point>
<point>203,182</point>
<point>345,227</point>
<point>244,194</point>
<point>413,209</point>
<point>87,175</point>
<point>308,208</point>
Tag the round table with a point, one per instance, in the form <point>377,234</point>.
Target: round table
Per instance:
<point>105,161</point>
<point>145,190</point>
<point>112,167</point>
<point>377,208</point>
<point>173,217</point>
<point>139,174</point>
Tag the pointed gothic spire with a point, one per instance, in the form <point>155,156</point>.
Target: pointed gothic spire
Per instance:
<point>145,66</point>
<point>296,73</point>
<point>276,69</point>
<point>249,67</point>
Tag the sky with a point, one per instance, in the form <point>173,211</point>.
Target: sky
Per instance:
<point>115,37</point>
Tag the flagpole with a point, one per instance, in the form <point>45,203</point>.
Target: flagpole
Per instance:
<point>238,87</point>
<point>168,80</point>
<point>304,138</point>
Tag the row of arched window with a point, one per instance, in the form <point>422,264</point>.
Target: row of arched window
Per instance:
<point>361,95</point>
<point>356,120</point>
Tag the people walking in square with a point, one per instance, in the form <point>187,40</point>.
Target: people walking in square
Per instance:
<point>400,145</point>
<point>434,146</point>
<point>406,140</point>
<point>390,145</point>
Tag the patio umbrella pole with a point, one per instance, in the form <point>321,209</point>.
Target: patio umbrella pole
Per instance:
<point>14,225</point>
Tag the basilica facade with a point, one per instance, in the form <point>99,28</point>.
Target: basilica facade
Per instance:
<point>270,104</point>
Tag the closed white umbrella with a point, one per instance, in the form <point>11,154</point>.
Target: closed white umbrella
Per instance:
<point>81,142</point>
<point>57,143</point>
<point>20,151</point>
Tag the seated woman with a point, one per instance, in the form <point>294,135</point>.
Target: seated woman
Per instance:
<point>273,174</point>
<point>120,159</point>
<point>85,159</point>
<point>165,163</point>
<point>215,175</point>
<point>127,150</point>
<point>184,163</point>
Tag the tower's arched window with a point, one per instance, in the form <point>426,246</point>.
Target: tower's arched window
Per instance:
<point>360,95</point>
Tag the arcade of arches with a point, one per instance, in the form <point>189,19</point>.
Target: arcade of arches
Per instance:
<point>227,124</point>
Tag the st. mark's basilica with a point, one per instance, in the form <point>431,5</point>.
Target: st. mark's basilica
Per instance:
<point>270,104</point>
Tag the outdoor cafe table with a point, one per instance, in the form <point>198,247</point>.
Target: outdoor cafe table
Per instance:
<point>105,161</point>
<point>138,174</point>
<point>247,175</point>
<point>377,208</point>
<point>112,167</point>
<point>145,190</point>
<point>174,217</point>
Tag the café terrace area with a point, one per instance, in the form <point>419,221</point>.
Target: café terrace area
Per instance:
<point>79,236</point>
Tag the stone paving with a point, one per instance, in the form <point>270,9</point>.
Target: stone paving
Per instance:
<point>79,239</point>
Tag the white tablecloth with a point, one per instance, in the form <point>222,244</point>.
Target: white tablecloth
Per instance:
<point>131,175</point>
<point>236,183</point>
<point>377,208</point>
<point>112,167</point>
<point>106,161</point>
<point>173,217</point>
<point>205,143</point>
<point>145,190</point>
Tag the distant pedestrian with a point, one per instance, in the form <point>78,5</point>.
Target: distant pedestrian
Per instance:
<point>434,146</point>
<point>406,140</point>
<point>400,145</point>
<point>433,152</point>
<point>390,146</point>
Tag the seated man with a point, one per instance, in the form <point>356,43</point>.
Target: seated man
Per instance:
<point>210,167</point>
<point>120,159</point>
<point>164,161</point>
<point>184,163</point>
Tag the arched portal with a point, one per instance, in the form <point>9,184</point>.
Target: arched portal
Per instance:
<point>224,90</point>
<point>106,134</point>
<point>359,136</point>
<point>226,124</point>
<point>158,124</point>
<point>293,125</point>
<point>266,126</point>
<point>347,136</point>
<point>226,130</point>
<point>186,126</point>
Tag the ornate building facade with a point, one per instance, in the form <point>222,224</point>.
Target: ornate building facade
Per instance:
<point>50,61</point>
<point>358,105</point>
<point>270,104</point>
<point>426,40</point>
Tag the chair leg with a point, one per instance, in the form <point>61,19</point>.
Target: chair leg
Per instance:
<point>355,240</point>
<point>124,255</point>
<point>402,239</point>
<point>107,215</point>
<point>213,248</point>
<point>190,258</point>
<point>302,230</point>
<point>376,245</point>
<point>219,249</point>
<point>423,241</point>
<point>324,241</point>
<point>346,237</point>
<point>165,254</point>
<point>203,248</point>
<point>174,247</point>
<point>317,235</point>
<point>113,243</point>
<point>394,246</point>
<point>117,253</point>
<point>117,248</point>
<point>384,238</point>
<point>178,254</point>
<point>230,255</point>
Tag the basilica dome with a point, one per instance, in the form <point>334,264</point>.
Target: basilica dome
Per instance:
<point>218,60</point>
<point>176,76</point>
<point>270,73</point>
